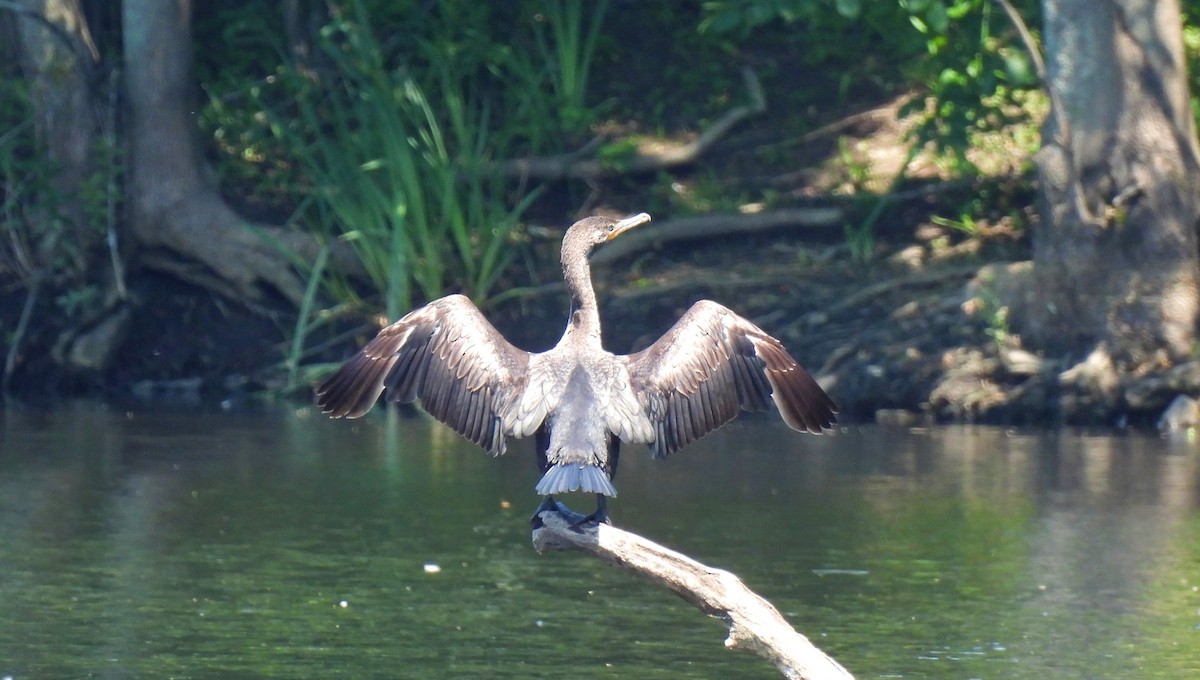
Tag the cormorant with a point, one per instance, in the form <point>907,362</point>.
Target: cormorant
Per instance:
<point>579,400</point>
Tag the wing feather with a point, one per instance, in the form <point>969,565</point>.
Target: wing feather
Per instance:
<point>712,364</point>
<point>447,355</point>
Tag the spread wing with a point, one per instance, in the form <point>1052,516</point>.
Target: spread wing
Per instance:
<point>712,363</point>
<point>450,357</point>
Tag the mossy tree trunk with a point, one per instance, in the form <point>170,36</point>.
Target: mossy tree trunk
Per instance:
<point>57,57</point>
<point>1115,258</point>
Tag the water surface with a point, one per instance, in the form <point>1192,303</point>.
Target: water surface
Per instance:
<point>285,545</point>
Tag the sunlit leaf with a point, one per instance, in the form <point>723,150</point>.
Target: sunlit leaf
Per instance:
<point>849,8</point>
<point>936,16</point>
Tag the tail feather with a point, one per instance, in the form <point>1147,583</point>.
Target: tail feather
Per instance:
<point>564,477</point>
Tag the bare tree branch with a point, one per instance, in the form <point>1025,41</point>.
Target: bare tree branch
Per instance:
<point>579,164</point>
<point>709,226</point>
<point>754,624</point>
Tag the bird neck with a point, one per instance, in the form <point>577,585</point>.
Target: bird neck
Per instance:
<point>585,314</point>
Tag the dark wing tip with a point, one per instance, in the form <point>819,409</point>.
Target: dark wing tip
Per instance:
<point>713,363</point>
<point>802,403</point>
<point>353,389</point>
<point>447,355</point>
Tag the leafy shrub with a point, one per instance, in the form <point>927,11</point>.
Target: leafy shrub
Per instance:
<point>963,52</point>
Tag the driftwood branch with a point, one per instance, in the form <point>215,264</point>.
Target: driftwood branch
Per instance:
<point>581,164</point>
<point>754,624</point>
<point>709,226</point>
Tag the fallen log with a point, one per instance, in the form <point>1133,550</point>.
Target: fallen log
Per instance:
<point>710,226</point>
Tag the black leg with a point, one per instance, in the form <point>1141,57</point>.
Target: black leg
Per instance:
<point>575,519</point>
<point>614,452</point>
<point>600,516</point>
<point>541,446</point>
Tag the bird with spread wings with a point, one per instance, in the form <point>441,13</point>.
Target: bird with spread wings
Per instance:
<point>578,400</point>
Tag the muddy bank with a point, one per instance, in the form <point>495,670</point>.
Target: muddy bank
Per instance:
<point>913,335</point>
<point>908,325</point>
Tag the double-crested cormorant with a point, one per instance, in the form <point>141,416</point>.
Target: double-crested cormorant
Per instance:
<point>579,400</point>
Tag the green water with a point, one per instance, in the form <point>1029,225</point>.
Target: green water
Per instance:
<point>284,545</point>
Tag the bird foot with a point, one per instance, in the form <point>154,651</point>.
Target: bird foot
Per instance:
<point>597,518</point>
<point>600,516</point>
<point>574,519</point>
<point>552,504</point>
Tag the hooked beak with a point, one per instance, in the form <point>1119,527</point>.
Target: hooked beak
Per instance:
<point>627,224</point>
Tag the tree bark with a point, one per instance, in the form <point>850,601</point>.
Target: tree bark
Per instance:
<point>188,228</point>
<point>57,57</point>
<point>1115,258</point>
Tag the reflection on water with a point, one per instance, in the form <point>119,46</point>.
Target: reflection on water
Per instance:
<point>287,545</point>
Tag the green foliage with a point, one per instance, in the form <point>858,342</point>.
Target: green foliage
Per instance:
<point>834,30</point>
<point>385,142</point>
<point>78,301</point>
<point>30,226</point>
<point>1191,48</point>
<point>701,192</point>
<point>980,68</point>
<point>856,168</point>
<point>391,139</point>
<point>37,240</point>
<point>860,240</point>
<point>965,223</point>
<point>23,184</point>
<point>964,54</point>
<point>565,37</point>
<point>42,248</point>
<point>400,174</point>
<point>995,318</point>
<point>531,60</point>
<point>987,203</point>
<point>962,51</point>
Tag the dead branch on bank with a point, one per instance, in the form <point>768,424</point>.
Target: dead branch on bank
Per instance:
<point>580,164</point>
<point>710,226</point>
<point>753,622</point>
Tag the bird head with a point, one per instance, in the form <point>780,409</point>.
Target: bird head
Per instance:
<point>590,232</point>
<point>622,226</point>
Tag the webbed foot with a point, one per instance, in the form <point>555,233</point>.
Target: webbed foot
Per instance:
<point>576,520</point>
<point>554,505</point>
<point>600,516</point>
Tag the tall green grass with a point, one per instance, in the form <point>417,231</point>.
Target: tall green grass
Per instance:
<point>565,34</point>
<point>396,138</point>
<point>399,172</point>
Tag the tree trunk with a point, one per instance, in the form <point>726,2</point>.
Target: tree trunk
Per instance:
<point>183,223</point>
<point>57,56</point>
<point>1115,259</point>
